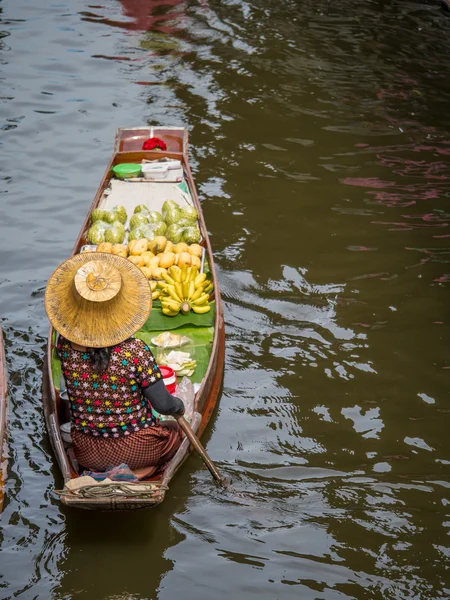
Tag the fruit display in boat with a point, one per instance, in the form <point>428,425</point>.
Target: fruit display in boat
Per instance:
<point>156,256</point>
<point>184,289</point>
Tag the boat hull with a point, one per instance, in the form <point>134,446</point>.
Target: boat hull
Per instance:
<point>211,385</point>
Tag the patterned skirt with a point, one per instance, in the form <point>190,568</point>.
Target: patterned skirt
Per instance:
<point>149,447</point>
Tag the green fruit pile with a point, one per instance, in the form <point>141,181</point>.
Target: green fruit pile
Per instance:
<point>176,223</point>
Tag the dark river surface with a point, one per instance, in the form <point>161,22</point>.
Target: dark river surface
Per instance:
<point>320,145</point>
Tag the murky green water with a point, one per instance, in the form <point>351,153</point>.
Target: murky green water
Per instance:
<point>320,143</point>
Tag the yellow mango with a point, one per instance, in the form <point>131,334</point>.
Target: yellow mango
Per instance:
<point>119,250</point>
<point>169,246</point>
<point>105,247</point>
<point>136,260</point>
<point>158,244</point>
<point>196,262</point>
<point>157,273</point>
<point>137,247</point>
<point>185,259</point>
<point>153,262</point>
<point>180,247</point>
<point>195,250</point>
<point>166,259</point>
<point>147,256</point>
<point>147,272</point>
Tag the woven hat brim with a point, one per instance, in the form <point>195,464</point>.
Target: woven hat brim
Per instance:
<point>97,324</point>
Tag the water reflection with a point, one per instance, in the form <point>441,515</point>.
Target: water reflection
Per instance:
<point>320,142</point>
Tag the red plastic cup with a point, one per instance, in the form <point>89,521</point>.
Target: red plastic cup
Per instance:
<point>169,378</point>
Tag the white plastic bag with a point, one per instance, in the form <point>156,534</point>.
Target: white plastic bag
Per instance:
<point>185,391</point>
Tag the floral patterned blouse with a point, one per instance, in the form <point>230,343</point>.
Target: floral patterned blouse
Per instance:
<point>110,403</point>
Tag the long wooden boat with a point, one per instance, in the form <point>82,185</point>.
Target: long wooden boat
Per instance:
<point>128,149</point>
<point>3,419</point>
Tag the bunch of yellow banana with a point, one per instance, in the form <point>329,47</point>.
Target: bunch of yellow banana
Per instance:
<point>184,289</point>
<point>155,292</point>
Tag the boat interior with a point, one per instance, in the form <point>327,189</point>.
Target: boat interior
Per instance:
<point>197,330</point>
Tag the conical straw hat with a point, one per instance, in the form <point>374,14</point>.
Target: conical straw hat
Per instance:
<point>97,300</point>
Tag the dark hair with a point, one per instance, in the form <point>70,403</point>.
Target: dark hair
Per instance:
<point>99,358</point>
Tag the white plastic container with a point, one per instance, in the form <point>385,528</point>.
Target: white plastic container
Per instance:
<point>154,170</point>
<point>65,433</point>
<point>173,164</point>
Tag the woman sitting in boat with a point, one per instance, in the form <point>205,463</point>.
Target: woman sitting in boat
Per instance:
<point>96,302</point>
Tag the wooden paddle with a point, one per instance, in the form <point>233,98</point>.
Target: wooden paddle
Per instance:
<point>199,447</point>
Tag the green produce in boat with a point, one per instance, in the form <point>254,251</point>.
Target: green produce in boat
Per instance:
<point>138,219</point>
<point>149,231</point>
<point>189,213</point>
<point>171,216</point>
<point>185,223</point>
<point>98,214</point>
<point>120,213</point>
<point>136,234</point>
<point>154,216</point>
<point>191,235</point>
<point>109,217</point>
<point>174,233</point>
<point>168,205</point>
<point>96,233</point>
<point>141,208</point>
<point>159,228</point>
<point>116,234</point>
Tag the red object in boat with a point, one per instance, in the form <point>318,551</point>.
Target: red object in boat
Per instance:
<point>170,378</point>
<point>154,143</point>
